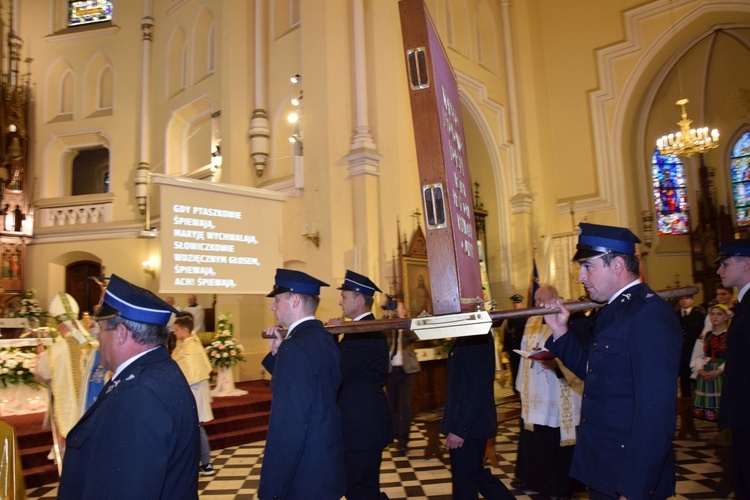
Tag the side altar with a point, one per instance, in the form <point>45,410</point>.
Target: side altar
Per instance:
<point>19,391</point>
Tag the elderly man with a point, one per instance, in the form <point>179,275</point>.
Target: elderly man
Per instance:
<point>630,368</point>
<point>140,438</point>
<point>361,399</point>
<point>304,454</point>
<point>734,269</point>
<point>550,410</point>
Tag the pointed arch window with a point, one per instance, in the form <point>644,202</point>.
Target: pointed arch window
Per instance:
<point>740,166</point>
<point>670,194</point>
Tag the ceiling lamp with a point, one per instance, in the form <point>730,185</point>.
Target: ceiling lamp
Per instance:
<point>688,141</point>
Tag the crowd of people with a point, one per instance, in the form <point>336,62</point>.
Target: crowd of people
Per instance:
<point>598,390</point>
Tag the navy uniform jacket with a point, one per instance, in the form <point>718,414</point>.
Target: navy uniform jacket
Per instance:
<point>304,455</point>
<point>630,371</point>
<point>139,439</point>
<point>734,407</point>
<point>362,401</point>
<point>692,326</point>
<point>470,411</point>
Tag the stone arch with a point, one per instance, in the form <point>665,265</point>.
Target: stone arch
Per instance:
<point>56,272</point>
<point>59,91</point>
<point>280,162</point>
<point>487,167</point>
<point>487,38</point>
<point>458,27</point>
<point>176,62</point>
<point>59,154</point>
<point>188,138</point>
<point>203,57</point>
<point>98,86</point>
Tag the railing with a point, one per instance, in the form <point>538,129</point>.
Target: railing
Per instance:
<point>74,210</point>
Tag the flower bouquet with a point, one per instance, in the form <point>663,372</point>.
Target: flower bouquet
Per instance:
<point>224,352</point>
<point>17,367</point>
<point>29,307</point>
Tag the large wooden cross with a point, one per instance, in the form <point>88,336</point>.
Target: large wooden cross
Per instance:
<point>443,168</point>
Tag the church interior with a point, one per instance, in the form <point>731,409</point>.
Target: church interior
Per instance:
<point>296,114</point>
<point>562,107</point>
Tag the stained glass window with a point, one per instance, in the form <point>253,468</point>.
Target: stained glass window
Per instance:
<point>670,194</point>
<point>740,167</point>
<point>81,12</point>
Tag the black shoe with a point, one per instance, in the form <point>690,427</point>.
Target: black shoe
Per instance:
<point>206,470</point>
<point>519,485</point>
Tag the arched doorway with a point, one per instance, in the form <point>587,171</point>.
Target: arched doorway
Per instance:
<point>78,283</point>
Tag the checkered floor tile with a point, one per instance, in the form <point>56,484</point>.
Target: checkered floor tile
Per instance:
<point>413,477</point>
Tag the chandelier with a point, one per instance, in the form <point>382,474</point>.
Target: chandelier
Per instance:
<point>688,141</point>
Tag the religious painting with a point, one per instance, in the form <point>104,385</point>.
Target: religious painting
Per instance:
<point>11,265</point>
<point>417,290</point>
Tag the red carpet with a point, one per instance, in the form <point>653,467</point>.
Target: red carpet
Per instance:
<point>237,420</point>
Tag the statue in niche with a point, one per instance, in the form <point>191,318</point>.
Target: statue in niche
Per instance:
<point>19,217</point>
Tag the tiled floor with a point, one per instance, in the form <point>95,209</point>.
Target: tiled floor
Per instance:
<point>413,477</point>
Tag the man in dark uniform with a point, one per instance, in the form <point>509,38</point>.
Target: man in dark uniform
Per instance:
<point>734,410</point>
<point>512,334</point>
<point>624,446</point>
<point>470,417</point>
<point>304,454</point>
<point>691,322</point>
<point>361,399</point>
<point>140,438</point>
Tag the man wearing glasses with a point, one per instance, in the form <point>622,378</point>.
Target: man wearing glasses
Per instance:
<point>140,438</point>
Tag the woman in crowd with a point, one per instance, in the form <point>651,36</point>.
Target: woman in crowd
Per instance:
<point>708,365</point>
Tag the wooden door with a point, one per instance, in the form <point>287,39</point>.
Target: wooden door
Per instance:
<point>77,283</point>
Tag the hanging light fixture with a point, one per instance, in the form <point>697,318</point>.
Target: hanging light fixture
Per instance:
<point>688,141</point>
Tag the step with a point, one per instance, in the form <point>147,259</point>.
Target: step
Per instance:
<point>35,457</point>
<point>236,422</point>
<point>237,438</point>
<point>241,409</point>
<point>39,476</point>
<point>42,437</point>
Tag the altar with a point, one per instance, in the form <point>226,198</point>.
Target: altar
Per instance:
<point>17,395</point>
<point>19,399</point>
